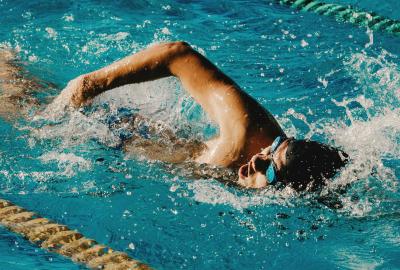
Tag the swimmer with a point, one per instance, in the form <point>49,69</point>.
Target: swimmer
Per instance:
<point>17,85</point>
<point>250,138</point>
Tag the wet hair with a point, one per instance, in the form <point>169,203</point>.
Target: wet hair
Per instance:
<point>309,164</point>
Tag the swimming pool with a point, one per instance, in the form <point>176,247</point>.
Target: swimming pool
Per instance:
<point>322,79</point>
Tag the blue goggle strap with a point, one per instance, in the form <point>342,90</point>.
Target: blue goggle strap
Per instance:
<point>277,142</point>
<point>271,176</point>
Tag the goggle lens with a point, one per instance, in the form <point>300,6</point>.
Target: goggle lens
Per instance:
<point>271,174</point>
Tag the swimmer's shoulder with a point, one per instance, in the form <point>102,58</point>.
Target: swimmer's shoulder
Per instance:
<point>11,92</point>
<point>5,53</point>
<point>16,87</point>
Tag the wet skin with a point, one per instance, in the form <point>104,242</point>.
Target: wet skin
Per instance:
<point>17,85</point>
<point>254,175</point>
<point>246,127</point>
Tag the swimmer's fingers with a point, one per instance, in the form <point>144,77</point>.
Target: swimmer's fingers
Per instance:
<point>74,94</point>
<point>72,97</point>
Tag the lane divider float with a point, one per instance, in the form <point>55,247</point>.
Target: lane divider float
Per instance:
<point>347,14</point>
<point>60,239</point>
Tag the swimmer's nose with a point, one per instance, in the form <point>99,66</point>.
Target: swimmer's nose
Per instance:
<point>260,162</point>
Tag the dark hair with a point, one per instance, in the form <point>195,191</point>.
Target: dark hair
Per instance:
<point>309,164</point>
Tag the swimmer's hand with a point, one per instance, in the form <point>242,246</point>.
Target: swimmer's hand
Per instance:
<point>75,95</point>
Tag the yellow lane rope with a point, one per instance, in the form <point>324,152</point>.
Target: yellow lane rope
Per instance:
<point>57,238</point>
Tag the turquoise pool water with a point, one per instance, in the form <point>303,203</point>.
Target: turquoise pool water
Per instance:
<point>322,79</point>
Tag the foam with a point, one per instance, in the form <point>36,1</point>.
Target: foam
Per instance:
<point>68,164</point>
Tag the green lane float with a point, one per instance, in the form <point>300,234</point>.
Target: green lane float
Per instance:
<point>354,16</point>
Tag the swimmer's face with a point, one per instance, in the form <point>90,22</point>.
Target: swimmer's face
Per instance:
<point>253,174</point>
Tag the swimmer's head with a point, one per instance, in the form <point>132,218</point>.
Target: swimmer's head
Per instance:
<point>309,164</point>
<point>302,164</point>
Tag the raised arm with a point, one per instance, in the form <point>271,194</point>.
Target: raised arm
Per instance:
<point>231,108</point>
<point>198,75</point>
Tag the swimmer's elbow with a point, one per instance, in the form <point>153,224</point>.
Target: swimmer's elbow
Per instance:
<point>180,45</point>
<point>178,48</point>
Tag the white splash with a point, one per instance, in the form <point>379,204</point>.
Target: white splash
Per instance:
<point>68,164</point>
<point>304,43</point>
<point>68,18</point>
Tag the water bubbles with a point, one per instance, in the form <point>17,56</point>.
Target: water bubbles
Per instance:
<point>27,15</point>
<point>166,31</point>
<point>131,246</point>
<point>51,33</point>
<point>68,164</point>
<point>174,188</point>
<point>68,18</point>
<point>304,43</point>
<point>323,81</point>
<point>146,22</point>
<point>371,37</point>
<point>33,58</point>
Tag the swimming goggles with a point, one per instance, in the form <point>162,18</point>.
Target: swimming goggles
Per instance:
<point>271,174</point>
